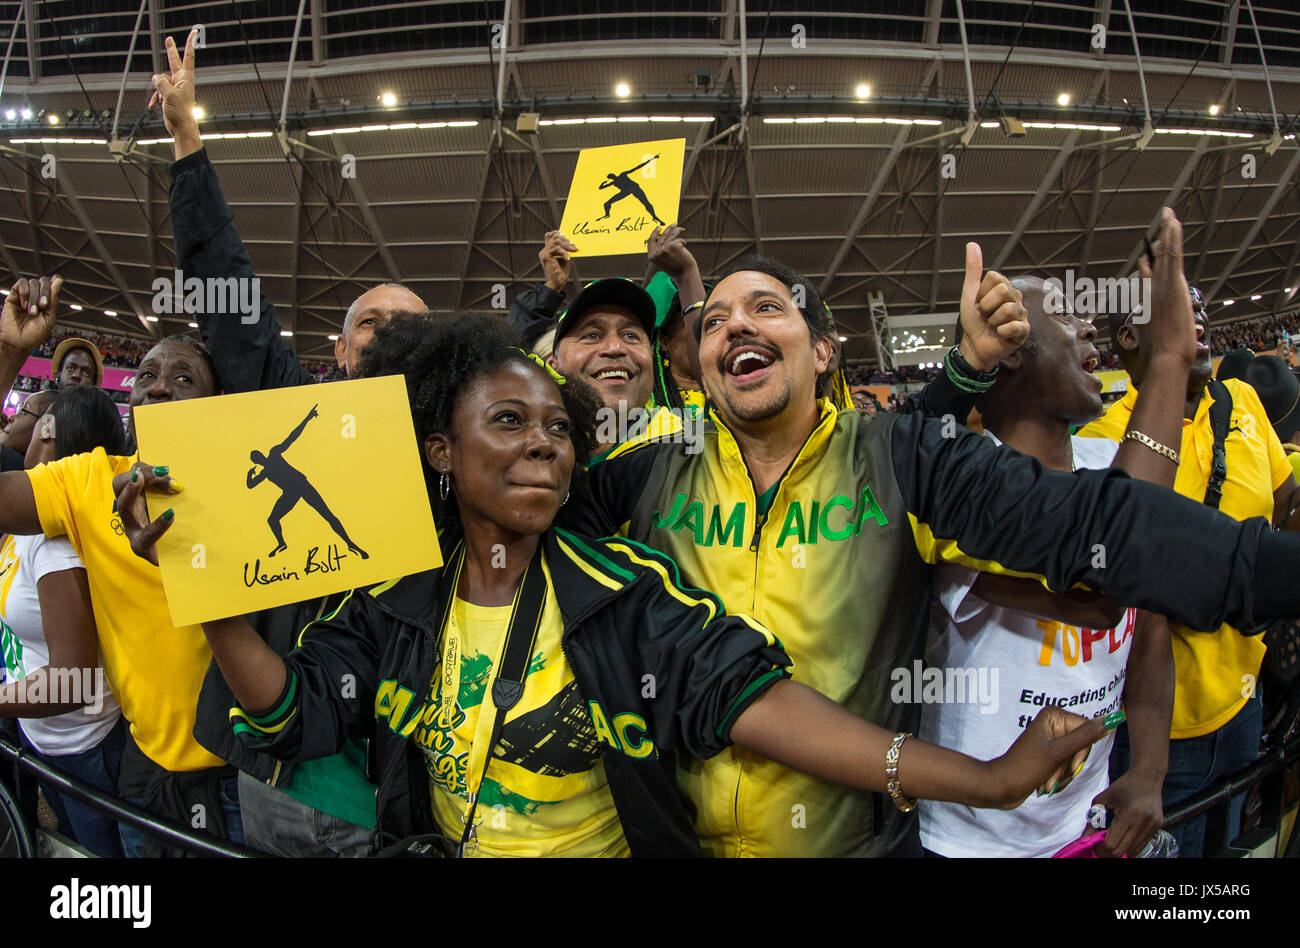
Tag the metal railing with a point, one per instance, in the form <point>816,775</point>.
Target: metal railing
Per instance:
<point>23,760</point>
<point>1270,771</point>
<point>1213,802</point>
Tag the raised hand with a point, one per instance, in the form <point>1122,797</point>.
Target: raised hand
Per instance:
<point>667,252</point>
<point>994,322</point>
<point>176,93</point>
<point>554,257</point>
<point>1172,323</point>
<point>129,486</point>
<point>28,316</point>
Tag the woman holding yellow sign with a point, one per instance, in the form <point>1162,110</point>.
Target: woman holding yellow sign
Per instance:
<point>530,696</point>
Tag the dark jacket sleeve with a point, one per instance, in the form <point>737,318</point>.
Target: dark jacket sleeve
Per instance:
<point>613,488</point>
<point>249,355</point>
<point>329,691</point>
<point>707,666</point>
<point>940,397</point>
<point>532,313</point>
<point>995,509</point>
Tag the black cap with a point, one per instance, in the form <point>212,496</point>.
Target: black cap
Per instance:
<point>1233,365</point>
<point>1278,391</point>
<point>614,291</point>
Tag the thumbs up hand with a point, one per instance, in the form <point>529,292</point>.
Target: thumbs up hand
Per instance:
<point>994,321</point>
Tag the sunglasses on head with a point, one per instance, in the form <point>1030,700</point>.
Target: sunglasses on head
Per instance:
<point>1198,302</point>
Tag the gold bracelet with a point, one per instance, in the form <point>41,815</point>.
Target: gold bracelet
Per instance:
<point>1153,444</point>
<point>891,773</point>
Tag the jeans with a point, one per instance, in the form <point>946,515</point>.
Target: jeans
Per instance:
<point>1196,763</point>
<point>96,831</point>
<point>276,823</point>
<point>133,839</point>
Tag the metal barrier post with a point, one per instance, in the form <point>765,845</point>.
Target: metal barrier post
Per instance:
<point>120,810</point>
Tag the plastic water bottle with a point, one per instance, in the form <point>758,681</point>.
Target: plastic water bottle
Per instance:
<point>1162,846</point>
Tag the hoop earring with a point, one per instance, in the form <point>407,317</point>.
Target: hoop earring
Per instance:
<point>442,485</point>
<point>566,499</point>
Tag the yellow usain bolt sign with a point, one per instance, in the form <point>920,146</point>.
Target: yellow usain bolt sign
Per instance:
<point>288,494</point>
<point>620,194</point>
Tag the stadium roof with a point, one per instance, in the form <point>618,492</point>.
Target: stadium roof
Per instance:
<point>784,155</point>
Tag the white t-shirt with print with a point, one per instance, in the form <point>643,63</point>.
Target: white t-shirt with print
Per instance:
<point>23,561</point>
<point>1036,661</point>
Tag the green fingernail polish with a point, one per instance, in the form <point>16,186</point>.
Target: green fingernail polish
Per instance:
<point>168,514</point>
<point>1113,720</point>
<point>1056,786</point>
<point>135,476</point>
<point>160,471</point>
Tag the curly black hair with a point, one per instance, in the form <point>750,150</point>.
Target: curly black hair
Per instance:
<point>439,355</point>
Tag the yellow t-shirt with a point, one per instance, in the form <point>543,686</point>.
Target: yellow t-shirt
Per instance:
<point>545,792</point>
<point>1215,671</point>
<point>154,668</point>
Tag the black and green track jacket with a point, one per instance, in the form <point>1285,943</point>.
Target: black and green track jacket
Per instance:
<point>626,616</point>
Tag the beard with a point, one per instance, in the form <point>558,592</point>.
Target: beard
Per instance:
<point>758,407</point>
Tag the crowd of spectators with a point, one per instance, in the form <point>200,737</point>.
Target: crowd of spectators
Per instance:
<point>119,352</point>
<point>1260,334</point>
<point>1266,332</point>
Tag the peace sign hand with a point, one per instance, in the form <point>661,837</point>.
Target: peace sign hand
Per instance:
<point>176,93</point>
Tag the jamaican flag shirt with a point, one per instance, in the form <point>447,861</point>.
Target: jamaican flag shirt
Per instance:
<point>545,792</point>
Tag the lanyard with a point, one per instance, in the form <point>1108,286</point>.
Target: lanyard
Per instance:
<point>449,669</point>
<point>506,683</point>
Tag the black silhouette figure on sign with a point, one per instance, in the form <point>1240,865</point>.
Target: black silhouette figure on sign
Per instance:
<point>628,188</point>
<point>294,487</point>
